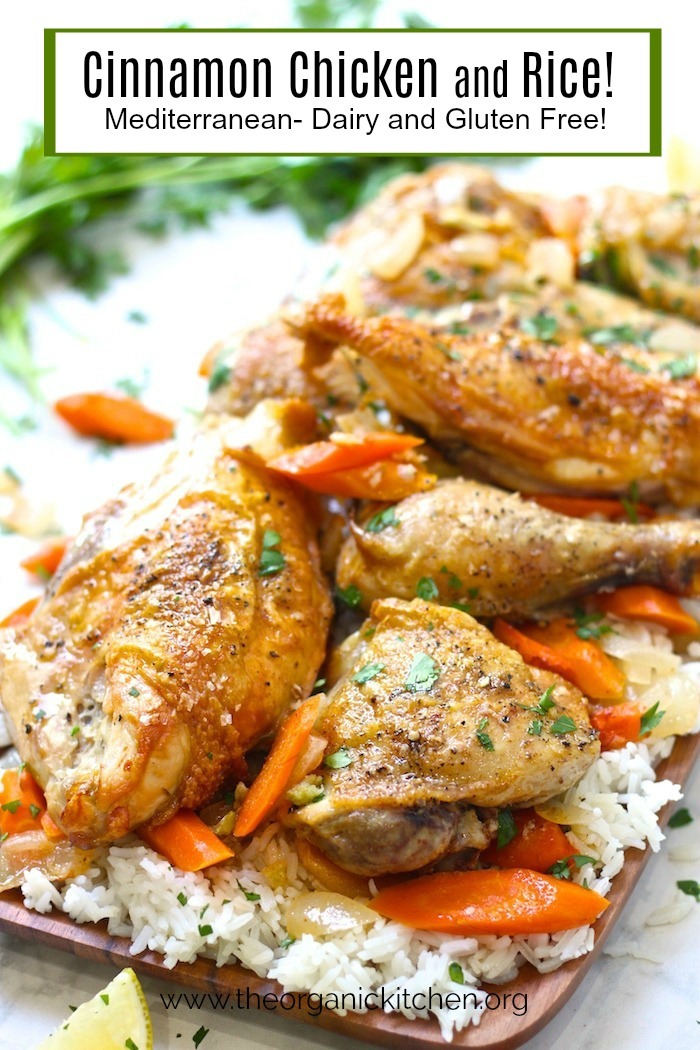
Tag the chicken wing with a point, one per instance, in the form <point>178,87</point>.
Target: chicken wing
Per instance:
<point>189,614</point>
<point>574,416</point>
<point>437,722</point>
<point>505,556</point>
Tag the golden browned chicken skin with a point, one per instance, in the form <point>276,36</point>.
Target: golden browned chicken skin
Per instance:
<point>437,717</point>
<point>190,613</point>
<point>538,415</point>
<point>505,556</point>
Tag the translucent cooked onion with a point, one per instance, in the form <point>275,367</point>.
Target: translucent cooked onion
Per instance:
<point>561,812</point>
<point>320,913</point>
<point>32,849</point>
<point>476,249</point>
<point>678,696</point>
<point>400,247</point>
<point>550,259</point>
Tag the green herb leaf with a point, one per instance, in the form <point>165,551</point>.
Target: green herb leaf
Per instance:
<point>204,931</point>
<point>682,368</point>
<point>382,520</point>
<point>129,1044</point>
<point>691,887</point>
<point>134,691</point>
<point>650,719</point>
<point>105,998</point>
<point>630,503</point>
<point>680,818</point>
<point>248,894</point>
<point>350,596</point>
<point>271,561</point>
<point>482,736</point>
<point>456,973</point>
<point>434,276</point>
<point>339,759</point>
<point>34,810</point>
<point>182,899</point>
<point>507,828</point>
<point>200,1035</point>
<point>270,539</point>
<point>589,626</point>
<point>11,807</point>
<point>422,674</point>
<point>619,333</point>
<point>453,355</point>
<point>368,672</point>
<point>563,724</point>
<point>426,588</point>
<point>287,942</point>
<point>662,265</point>
<point>535,727</point>
<point>541,326</point>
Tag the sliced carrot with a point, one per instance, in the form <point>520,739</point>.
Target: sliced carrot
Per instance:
<point>556,647</point>
<point>386,481</point>
<point>273,779</point>
<point>341,453</point>
<point>649,604</point>
<point>538,845</point>
<point>616,725</point>
<point>330,875</point>
<point>21,802</point>
<point>186,841</point>
<point>18,617</point>
<point>44,562</point>
<point>509,902</point>
<point>584,506</point>
<point>114,418</point>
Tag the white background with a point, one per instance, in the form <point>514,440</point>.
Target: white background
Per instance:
<point>193,289</point>
<point>82,125</point>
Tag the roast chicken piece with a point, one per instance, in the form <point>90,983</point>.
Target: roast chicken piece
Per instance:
<point>447,235</point>
<point>535,415</point>
<point>506,556</point>
<point>189,614</point>
<point>437,723</point>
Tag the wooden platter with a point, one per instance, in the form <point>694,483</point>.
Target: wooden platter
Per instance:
<point>500,1029</point>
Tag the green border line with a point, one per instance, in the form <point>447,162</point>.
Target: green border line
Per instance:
<point>655,89</point>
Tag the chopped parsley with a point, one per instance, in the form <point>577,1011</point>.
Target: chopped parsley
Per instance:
<point>662,265</point>
<point>630,503</point>
<point>464,607</point>
<point>456,973</point>
<point>454,582</point>
<point>561,869</point>
<point>200,1035</point>
<point>382,520</point>
<point>75,730</point>
<point>541,326</point>
<point>350,596</point>
<point>137,317</point>
<point>318,685</point>
<point>287,942</point>
<point>426,588</point>
<point>307,791</point>
<point>339,759</point>
<point>368,672</point>
<point>483,737</point>
<point>636,366</point>
<point>11,807</point>
<point>34,810</point>
<point>535,727</point>
<point>182,899</point>
<point>460,328</point>
<point>453,355</point>
<point>507,828</point>
<point>248,894</point>
<point>434,276</point>
<point>650,719</point>
<point>619,333</point>
<point>589,626</point>
<point>693,257</point>
<point>422,674</point>
<point>563,724</point>
<point>105,998</point>
<point>682,368</point>
<point>204,931</point>
<point>691,887</point>
<point>129,1044</point>
<point>545,702</point>
<point>272,561</point>
<point>220,375</point>
<point>680,818</point>
<point>134,691</point>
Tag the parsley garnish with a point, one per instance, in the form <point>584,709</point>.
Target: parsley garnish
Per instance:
<point>507,828</point>
<point>367,673</point>
<point>182,899</point>
<point>483,737</point>
<point>34,810</point>
<point>248,894</point>
<point>535,727</point>
<point>11,807</point>
<point>693,257</point>
<point>619,333</point>
<point>204,931</point>
<point>434,276</point>
<point>75,730</point>
<point>382,520</point>
<point>541,326</point>
<point>680,818</point>
<point>200,1035</point>
<point>456,973</point>
<point>682,367</point>
<point>546,701</point>
<point>630,503</point>
<point>426,588</point>
<point>271,561</point>
<point>563,724</point>
<point>662,265</point>
<point>287,942</point>
<point>339,759</point>
<point>104,998</point>
<point>422,674</point>
<point>350,596</point>
<point>561,869</point>
<point>589,626</point>
<point>460,328</point>
<point>220,375</point>
<point>691,887</point>
<point>134,691</point>
<point>318,685</point>
<point>453,355</point>
<point>650,719</point>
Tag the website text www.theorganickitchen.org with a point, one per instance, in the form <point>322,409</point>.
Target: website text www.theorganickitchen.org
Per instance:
<point>314,1003</point>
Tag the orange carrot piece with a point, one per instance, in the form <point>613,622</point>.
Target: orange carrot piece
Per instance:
<point>114,418</point>
<point>328,457</point>
<point>386,481</point>
<point>509,902</point>
<point>649,604</point>
<point>556,647</point>
<point>186,841</point>
<point>328,873</point>
<point>18,617</point>
<point>538,845</point>
<point>616,725</point>
<point>21,802</point>
<point>273,779</point>
<point>44,562</point>
<point>584,506</point>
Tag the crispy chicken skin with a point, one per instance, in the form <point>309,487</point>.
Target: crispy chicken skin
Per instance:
<point>536,415</point>
<point>426,748</point>
<point>506,556</point>
<point>160,653</point>
<point>449,234</point>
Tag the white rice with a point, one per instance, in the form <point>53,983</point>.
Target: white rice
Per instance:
<point>136,891</point>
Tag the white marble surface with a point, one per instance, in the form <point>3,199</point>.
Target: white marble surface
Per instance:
<point>193,289</point>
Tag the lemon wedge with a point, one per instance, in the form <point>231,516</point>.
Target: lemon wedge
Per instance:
<point>116,1018</point>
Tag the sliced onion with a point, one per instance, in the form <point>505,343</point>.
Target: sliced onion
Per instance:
<point>396,253</point>
<point>320,913</point>
<point>550,259</point>
<point>476,249</point>
<point>32,849</point>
